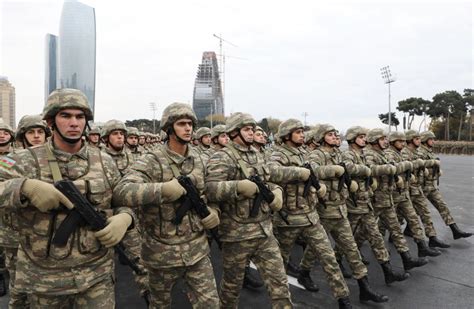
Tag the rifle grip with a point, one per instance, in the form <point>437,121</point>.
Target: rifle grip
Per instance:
<point>66,228</point>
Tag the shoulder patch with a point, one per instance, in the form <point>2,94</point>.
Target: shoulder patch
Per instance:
<point>7,162</point>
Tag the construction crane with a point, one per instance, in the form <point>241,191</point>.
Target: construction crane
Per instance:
<point>222,62</point>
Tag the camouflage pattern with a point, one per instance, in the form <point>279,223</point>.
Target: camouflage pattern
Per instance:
<point>94,130</point>
<point>382,201</point>
<point>411,134</point>
<point>285,166</point>
<point>17,298</point>
<point>353,132</point>
<point>132,131</point>
<point>28,122</point>
<point>66,98</point>
<point>322,130</point>
<point>122,158</point>
<point>396,136</point>
<point>251,237</point>
<point>217,130</point>
<point>44,268</point>
<point>426,135</point>
<point>429,183</point>
<point>174,112</point>
<point>201,132</point>
<point>374,134</point>
<point>5,126</point>
<point>239,120</point>
<point>288,126</point>
<point>334,213</point>
<point>113,125</point>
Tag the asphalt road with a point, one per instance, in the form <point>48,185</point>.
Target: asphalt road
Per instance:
<point>447,281</point>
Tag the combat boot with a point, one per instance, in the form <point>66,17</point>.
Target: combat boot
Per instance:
<point>424,250</point>
<point>250,280</point>
<point>409,262</point>
<point>457,233</point>
<point>436,242</point>
<point>305,280</point>
<point>390,275</point>
<point>366,293</point>
<point>344,303</point>
<point>407,231</point>
<point>3,285</point>
<point>364,260</point>
<point>345,272</point>
<point>292,269</point>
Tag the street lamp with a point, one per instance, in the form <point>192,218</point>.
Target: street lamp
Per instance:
<point>388,78</point>
<point>153,108</point>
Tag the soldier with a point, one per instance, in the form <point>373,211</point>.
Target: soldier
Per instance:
<point>132,143</point>
<point>309,141</point>
<point>401,196</point>
<point>219,139</point>
<point>299,217</point>
<point>260,141</point>
<point>6,139</point>
<point>410,153</point>
<point>170,250</point>
<point>32,131</point>
<point>79,274</point>
<point>430,183</point>
<point>333,212</point>
<point>142,140</point>
<point>203,136</point>
<point>245,237</point>
<point>360,211</point>
<point>382,171</point>
<point>93,137</point>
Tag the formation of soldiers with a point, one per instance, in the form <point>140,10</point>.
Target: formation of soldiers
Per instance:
<point>256,201</point>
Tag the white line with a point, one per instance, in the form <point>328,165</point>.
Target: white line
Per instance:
<point>291,280</point>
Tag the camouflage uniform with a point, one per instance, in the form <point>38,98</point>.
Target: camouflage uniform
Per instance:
<point>135,151</point>
<point>202,149</point>
<point>298,216</point>
<point>243,237</point>
<point>95,130</point>
<point>80,272</point>
<point>170,251</point>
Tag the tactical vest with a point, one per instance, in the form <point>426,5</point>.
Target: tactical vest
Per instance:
<point>239,210</point>
<point>428,181</point>
<point>383,194</point>
<point>157,220</point>
<point>38,228</point>
<point>364,192</point>
<point>415,184</point>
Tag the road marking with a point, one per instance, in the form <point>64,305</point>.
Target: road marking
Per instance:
<point>291,280</point>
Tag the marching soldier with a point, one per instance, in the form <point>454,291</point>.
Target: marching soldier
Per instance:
<point>244,236</point>
<point>430,181</point>
<point>80,274</point>
<point>170,249</point>
<point>298,217</point>
<point>132,143</point>
<point>32,130</point>
<point>203,136</point>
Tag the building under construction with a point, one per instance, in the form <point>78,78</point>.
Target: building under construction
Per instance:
<point>207,97</point>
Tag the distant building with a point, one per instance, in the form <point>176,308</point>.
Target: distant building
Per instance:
<point>7,101</point>
<point>207,98</point>
<point>77,49</point>
<point>51,61</point>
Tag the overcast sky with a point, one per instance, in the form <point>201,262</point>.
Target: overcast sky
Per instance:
<point>322,58</point>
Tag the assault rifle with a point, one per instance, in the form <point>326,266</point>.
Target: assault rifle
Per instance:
<point>313,181</point>
<point>84,213</point>
<point>346,179</point>
<point>192,200</point>
<point>264,194</point>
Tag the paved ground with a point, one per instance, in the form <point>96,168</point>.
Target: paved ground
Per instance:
<point>446,282</point>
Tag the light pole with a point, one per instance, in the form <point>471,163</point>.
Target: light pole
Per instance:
<point>153,108</point>
<point>305,114</point>
<point>388,78</point>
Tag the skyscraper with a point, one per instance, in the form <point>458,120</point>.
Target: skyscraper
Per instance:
<point>7,101</point>
<point>207,98</point>
<point>51,61</point>
<point>77,49</point>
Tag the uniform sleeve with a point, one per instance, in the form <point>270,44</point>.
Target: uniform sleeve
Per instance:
<point>352,167</point>
<point>377,169</point>
<point>220,169</point>
<point>280,171</point>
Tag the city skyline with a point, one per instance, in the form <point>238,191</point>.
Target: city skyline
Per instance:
<point>7,102</point>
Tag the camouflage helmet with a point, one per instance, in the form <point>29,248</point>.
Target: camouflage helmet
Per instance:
<point>288,126</point>
<point>202,131</point>
<point>28,122</point>
<point>239,120</point>
<point>411,134</point>
<point>113,125</point>
<point>355,131</point>
<point>132,131</point>
<point>141,133</point>
<point>374,135</point>
<point>426,135</point>
<point>66,98</point>
<point>163,135</point>
<point>310,135</point>
<point>217,130</point>
<point>94,130</point>
<point>396,136</point>
<point>321,132</point>
<point>174,112</point>
<point>6,127</point>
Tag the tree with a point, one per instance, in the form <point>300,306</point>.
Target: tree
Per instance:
<point>468,97</point>
<point>273,124</point>
<point>394,119</point>
<point>145,125</point>
<point>442,105</point>
<point>413,106</point>
<point>264,124</point>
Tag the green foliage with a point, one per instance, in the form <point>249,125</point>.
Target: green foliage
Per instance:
<point>413,106</point>
<point>145,125</point>
<point>394,120</point>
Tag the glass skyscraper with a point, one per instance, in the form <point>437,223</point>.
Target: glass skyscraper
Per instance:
<point>77,49</point>
<point>207,98</point>
<point>51,61</point>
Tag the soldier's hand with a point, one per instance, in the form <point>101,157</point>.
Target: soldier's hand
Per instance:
<point>408,166</point>
<point>426,172</point>
<point>212,220</point>
<point>419,163</point>
<point>322,190</point>
<point>338,170</point>
<point>392,170</point>
<point>304,174</point>
<point>400,182</point>
<point>412,178</point>
<point>437,162</point>
<point>116,227</point>
<point>171,191</point>
<point>277,202</point>
<point>365,171</point>
<point>354,186</point>
<point>44,196</point>
<point>246,188</point>
<point>374,185</point>
<point>440,173</point>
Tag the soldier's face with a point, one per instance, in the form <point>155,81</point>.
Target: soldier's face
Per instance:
<point>117,139</point>
<point>361,140</point>
<point>5,136</point>
<point>141,140</point>
<point>416,141</point>
<point>338,141</point>
<point>223,139</point>
<point>259,137</point>
<point>297,136</point>
<point>247,133</point>
<point>331,138</point>
<point>35,136</point>
<point>183,128</point>
<point>430,142</point>
<point>71,123</point>
<point>399,144</point>
<point>383,142</point>
<point>132,140</point>
<point>206,140</point>
<point>94,138</point>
